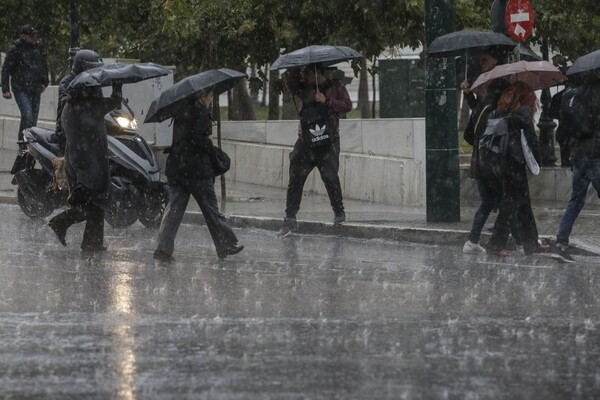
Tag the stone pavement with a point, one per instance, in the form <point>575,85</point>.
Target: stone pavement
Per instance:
<point>263,207</point>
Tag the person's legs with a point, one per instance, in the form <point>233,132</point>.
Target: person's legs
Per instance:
<point>580,184</point>
<point>301,164</point>
<point>204,194</point>
<point>93,234</point>
<point>328,165</point>
<point>488,195</point>
<point>172,218</point>
<point>60,223</point>
<point>25,103</point>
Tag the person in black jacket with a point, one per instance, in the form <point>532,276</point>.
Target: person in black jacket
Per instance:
<point>489,187</point>
<point>517,104</point>
<point>25,70</point>
<point>83,59</point>
<point>86,164</point>
<point>190,172</point>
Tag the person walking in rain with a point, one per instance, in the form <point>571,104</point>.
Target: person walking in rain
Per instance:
<point>189,171</point>
<point>86,163</point>
<point>25,71</point>
<point>487,59</point>
<point>579,113</point>
<point>318,143</point>
<point>489,186</point>
<point>83,59</point>
<point>517,104</point>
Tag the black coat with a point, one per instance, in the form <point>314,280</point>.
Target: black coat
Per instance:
<point>63,95</point>
<point>25,67</point>
<point>86,153</point>
<point>190,154</point>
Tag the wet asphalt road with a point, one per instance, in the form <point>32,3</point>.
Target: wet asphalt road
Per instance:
<point>304,317</point>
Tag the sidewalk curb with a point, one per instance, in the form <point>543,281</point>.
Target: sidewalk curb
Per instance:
<point>407,234</point>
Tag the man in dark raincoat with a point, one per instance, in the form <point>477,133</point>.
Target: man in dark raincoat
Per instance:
<point>190,172</point>
<point>83,59</point>
<point>86,164</point>
<point>313,89</point>
<point>25,70</point>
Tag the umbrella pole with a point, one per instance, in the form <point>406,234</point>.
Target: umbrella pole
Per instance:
<point>466,64</point>
<point>316,78</point>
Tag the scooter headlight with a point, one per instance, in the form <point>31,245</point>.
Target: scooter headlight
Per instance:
<point>126,123</point>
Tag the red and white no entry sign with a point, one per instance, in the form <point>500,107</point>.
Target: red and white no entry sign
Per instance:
<point>519,19</point>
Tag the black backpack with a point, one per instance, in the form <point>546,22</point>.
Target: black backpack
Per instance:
<point>576,111</point>
<point>493,147</point>
<point>318,125</point>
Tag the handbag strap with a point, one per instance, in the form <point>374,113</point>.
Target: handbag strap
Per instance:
<point>476,136</point>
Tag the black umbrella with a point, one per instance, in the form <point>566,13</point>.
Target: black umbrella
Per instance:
<point>316,54</point>
<point>167,104</point>
<point>587,63</point>
<point>107,74</point>
<point>456,43</point>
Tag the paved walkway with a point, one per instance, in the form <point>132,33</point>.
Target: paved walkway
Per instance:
<point>263,207</point>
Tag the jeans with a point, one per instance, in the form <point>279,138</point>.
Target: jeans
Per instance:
<point>585,171</point>
<point>29,105</point>
<point>490,192</point>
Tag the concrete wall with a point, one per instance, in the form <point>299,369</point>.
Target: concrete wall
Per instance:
<point>382,160</point>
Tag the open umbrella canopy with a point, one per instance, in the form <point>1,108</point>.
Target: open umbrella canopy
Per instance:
<point>316,54</point>
<point>108,74</point>
<point>171,100</point>
<point>586,63</point>
<point>455,43</point>
<point>537,74</point>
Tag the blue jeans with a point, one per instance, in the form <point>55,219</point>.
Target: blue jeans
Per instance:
<point>585,171</point>
<point>490,192</point>
<point>29,105</point>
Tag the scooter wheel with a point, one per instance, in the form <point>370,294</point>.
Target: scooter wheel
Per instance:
<point>32,207</point>
<point>152,216</point>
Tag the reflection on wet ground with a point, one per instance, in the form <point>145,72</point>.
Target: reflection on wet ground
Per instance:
<point>300,317</point>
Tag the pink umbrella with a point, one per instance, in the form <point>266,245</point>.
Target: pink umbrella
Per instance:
<point>537,74</point>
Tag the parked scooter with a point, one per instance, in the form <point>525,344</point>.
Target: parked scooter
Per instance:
<point>136,189</point>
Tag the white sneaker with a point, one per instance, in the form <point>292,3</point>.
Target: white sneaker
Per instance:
<point>473,248</point>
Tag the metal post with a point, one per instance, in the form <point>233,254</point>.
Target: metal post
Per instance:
<point>74,38</point>
<point>441,135</point>
<point>546,124</point>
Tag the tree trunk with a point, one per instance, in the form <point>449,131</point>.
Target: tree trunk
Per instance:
<point>240,107</point>
<point>363,90</point>
<point>273,95</point>
<point>289,110</point>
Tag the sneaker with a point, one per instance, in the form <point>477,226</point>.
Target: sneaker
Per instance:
<point>339,218</point>
<point>162,256</point>
<point>473,248</point>
<point>563,257</point>
<point>289,224</point>
<point>501,253</point>
<point>543,248</point>
<point>562,254</point>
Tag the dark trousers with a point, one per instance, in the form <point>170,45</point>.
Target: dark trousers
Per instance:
<point>302,161</point>
<point>515,199</point>
<point>203,192</point>
<point>490,193</point>
<point>84,210</point>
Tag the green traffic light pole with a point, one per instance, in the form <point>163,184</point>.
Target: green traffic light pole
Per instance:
<point>441,134</point>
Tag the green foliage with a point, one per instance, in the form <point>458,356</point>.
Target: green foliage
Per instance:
<point>201,34</point>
